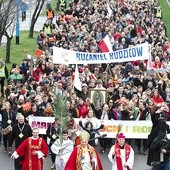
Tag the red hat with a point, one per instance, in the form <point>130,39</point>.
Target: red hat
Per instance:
<point>120,135</point>
<point>80,70</point>
<point>22,91</point>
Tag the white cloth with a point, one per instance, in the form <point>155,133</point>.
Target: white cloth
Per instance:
<point>40,155</point>
<point>104,116</point>
<point>86,162</point>
<point>96,122</point>
<point>62,151</point>
<point>86,165</point>
<point>14,155</point>
<point>129,162</point>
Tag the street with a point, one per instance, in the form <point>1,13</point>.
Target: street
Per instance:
<point>6,163</point>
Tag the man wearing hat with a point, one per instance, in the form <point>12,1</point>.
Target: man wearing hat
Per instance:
<point>84,156</point>
<point>84,94</point>
<point>121,154</point>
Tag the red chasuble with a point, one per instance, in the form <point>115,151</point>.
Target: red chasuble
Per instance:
<point>74,162</point>
<point>30,161</point>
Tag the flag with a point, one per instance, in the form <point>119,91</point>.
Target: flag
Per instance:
<point>105,45</point>
<point>38,53</point>
<point>149,63</point>
<point>77,82</point>
<point>109,10</point>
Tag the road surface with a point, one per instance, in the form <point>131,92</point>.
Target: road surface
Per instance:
<point>6,163</point>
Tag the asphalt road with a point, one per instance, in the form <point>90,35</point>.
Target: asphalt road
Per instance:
<point>6,163</point>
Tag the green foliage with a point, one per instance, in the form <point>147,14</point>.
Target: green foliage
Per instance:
<point>60,111</point>
<point>166,15</point>
<point>18,52</point>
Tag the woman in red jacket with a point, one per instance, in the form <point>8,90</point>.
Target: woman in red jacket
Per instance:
<point>39,73</point>
<point>83,108</point>
<point>157,97</point>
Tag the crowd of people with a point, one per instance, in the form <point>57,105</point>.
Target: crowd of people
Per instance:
<point>135,91</point>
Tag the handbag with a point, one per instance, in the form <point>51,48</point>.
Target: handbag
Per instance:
<point>6,130</point>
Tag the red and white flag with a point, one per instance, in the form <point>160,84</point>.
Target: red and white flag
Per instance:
<point>77,81</point>
<point>105,45</point>
<point>150,63</point>
<point>109,10</point>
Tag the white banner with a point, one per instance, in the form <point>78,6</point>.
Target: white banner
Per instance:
<point>41,123</point>
<point>131,129</point>
<point>138,52</point>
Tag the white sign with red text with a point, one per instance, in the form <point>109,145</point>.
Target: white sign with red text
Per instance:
<point>131,129</point>
<point>40,122</point>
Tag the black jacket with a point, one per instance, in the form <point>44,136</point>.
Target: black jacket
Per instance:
<point>26,131</point>
<point>167,154</point>
<point>92,132</point>
<point>5,117</point>
<point>51,130</point>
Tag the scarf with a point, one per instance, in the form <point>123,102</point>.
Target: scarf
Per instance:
<point>118,158</point>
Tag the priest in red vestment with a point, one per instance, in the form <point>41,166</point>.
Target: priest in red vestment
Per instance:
<point>84,156</point>
<point>121,154</point>
<point>33,149</point>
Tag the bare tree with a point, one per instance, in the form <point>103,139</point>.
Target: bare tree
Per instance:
<point>7,10</point>
<point>38,8</point>
<point>9,35</point>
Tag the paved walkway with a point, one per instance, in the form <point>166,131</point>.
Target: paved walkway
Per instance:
<point>6,162</point>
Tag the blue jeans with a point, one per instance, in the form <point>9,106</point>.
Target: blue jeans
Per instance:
<point>162,166</point>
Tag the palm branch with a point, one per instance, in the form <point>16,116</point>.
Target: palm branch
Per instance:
<point>60,112</point>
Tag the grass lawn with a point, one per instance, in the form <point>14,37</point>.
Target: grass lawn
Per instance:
<point>18,52</point>
<point>166,15</point>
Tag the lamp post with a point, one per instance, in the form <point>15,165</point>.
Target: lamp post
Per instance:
<point>17,22</point>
